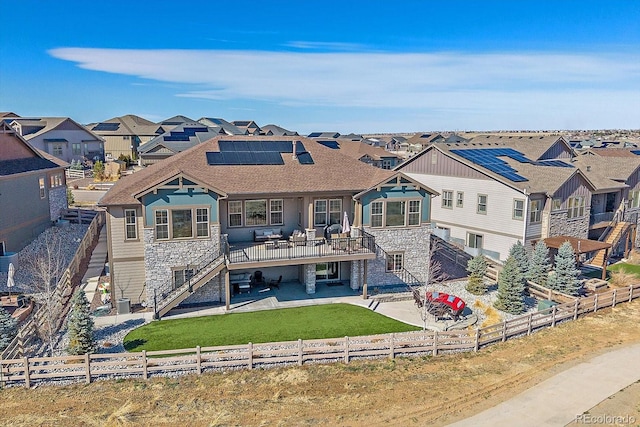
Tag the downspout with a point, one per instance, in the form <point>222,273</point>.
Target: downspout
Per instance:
<point>526,217</point>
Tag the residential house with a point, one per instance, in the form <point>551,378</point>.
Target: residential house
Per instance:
<point>174,121</point>
<point>419,141</point>
<point>123,135</point>
<point>375,156</point>
<point>275,130</point>
<point>60,137</point>
<point>225,128</point>
<point>180,138</point>
<point>497,190</point>
<point>249,126</point>
<point>32,190</point>
<point>195,227</point>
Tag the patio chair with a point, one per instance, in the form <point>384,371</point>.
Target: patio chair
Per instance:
<point>275,283</point>
<point>258,279</point>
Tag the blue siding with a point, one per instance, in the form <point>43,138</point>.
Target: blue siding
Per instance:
<point>180,197</point>
<point>395,193</point>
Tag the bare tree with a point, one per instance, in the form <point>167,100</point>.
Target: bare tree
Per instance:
<point>435,275</point>
<point>47,265</point>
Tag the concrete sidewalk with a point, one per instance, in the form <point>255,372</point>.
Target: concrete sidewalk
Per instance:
<point>558,400</point>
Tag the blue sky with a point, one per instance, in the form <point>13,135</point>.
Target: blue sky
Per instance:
<point>346,66</point>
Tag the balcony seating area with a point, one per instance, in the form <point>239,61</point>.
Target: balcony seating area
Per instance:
<point>266,234</point>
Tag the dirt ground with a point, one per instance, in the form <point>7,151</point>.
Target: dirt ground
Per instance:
<point>417,391</point>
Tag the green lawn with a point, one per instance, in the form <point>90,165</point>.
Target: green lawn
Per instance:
<point>629,268</point>
<point>288,324</point>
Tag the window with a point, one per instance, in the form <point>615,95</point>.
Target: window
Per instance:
<point>327,212</point>
<point>459,199</point>
<point>535,211</point>
<point>180,277</point>
<point>395,261</point>
<point>376,214</point>
<point>327,271</point>
<point>76,148</point>
<point>447,199</point>
<point>386,164</point>
<point>131,230</point>
<point>57,149</point>
<point>202,222</point>
<point>320,212</point>
<point>474,240</point>
<point>518,209</point>
<point>413,217</point>
<point>482,204</point>
<point>126,137</point>
<point>556,204</point>
<point>255,212</point>
<point>181,225</point>
<point>235,213</point>
<point>55,180</point>
<point>634,199</point>
<point>575,207</point>
<point>162,224</point>
<point>275,212</point>
<point>41,184</point>
<point>395,213</point>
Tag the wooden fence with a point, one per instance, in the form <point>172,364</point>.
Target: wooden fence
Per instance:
<point>89,367</point>
<point>540,291</point>
<point>61,297</point>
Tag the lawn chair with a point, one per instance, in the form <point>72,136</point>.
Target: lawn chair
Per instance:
<point>275,283</point>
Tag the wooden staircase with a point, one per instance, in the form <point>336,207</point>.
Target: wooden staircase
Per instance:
<point>200,278</point>
<point>613,238</point>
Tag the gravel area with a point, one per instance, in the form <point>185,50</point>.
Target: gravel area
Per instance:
<point>70,235</point>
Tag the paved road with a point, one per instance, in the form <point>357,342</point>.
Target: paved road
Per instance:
<point>87,196</point>
<point>558,400</point>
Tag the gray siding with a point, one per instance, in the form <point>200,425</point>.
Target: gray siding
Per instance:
<point>557,151</point>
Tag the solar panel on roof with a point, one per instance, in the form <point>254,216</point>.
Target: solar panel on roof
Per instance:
<point>305,158</point>
<point>489,159</point>
<point>555,163</point>
<point>636,152</point>
<point>330,144</point>
<point>106,126</point>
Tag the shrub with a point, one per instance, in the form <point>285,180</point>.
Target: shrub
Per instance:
<point>8,328</point>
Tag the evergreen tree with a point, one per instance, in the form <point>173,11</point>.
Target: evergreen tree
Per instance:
<point>477,267</point>
<point>520,254</point>
<point>80,325</point>
<point>565,277</point>
<point>510,288</point>
<point>8,328</point>
<point>98,171</point>
<point>539,266</point>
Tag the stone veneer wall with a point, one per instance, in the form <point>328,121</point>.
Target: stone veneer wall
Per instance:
<point>310,278</point>
<point>414,242</point>
<point>560,225</point>
<point>57,201</point>
<point>356,273</point>
<point>213,291</point>
<point>160,256</point>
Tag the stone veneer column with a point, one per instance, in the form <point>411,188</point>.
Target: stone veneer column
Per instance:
<point>310,278</point>
<point>356,274</point>
<point>57,201</point>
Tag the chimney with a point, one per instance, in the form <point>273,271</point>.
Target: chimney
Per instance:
<point>294,150</point>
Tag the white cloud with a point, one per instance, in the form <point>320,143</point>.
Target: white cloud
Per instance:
<point>529,89</point>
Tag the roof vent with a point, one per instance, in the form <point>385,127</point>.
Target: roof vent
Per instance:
<point>588,168</point>
<point>294,156</point>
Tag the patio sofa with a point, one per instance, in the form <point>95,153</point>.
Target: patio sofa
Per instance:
<point>265,234</point>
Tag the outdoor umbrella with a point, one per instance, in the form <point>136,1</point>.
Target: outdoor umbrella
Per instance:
<point>10,282</point>
<point>346,228</point>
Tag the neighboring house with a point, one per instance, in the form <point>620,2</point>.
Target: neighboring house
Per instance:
<point>225,128</point>
<point>324,135</point>
<point>194,227</point>
<point>32,190</point>
<point>249,125</point>
<point>174,121</point>
<point>375,156</point>
<point>630,152</point>
<point>123,135</point>
<point>352,137</point>
<point>275,130</point>
<point>180,138</point>
<point>419,141</point>
<point>495,191</point>
<point>60,137</point>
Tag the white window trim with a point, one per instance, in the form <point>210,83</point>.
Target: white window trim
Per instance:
<point>271,211</point>
<point>41,185</point>
<point>521,209</point>
<point>486,204</point>
<point>169,223</point>
<point>229,213</point>
<point>327,212</point>
<point>459,199</point>
<point>406,224</point>
<point>535,215</point>
<point>202,222</point>
<point>395,256</point>
<point>134,224</point>
<point>447,202</point>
